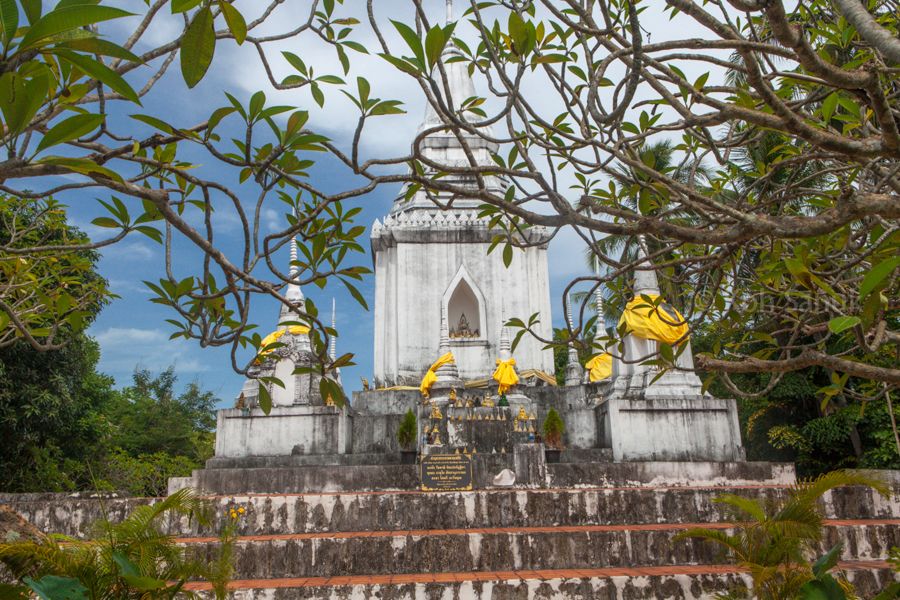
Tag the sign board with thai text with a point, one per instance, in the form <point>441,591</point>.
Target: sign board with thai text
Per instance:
<point>446,472</point>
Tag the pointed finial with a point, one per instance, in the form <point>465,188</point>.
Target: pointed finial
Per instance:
<point>600,327</point>
<point>449,12</point>
<point>333,351</point>
<point>445,332</point>
<point>505,354</point>
<point>645,282</point>
<point>573,353</point>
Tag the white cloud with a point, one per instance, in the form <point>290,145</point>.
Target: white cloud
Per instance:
<point>124,348</point>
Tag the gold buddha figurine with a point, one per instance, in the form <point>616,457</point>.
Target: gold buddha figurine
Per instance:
<point>453,393</point>
<point>522,414</point>
<point>479,417</point>
<point>503,450</point>
<point>466,450</point>
<point>436,412</point>
<point>474,450</point>
<point>503,415</point>
<point>487,399</point>
<point>469,403</point>
<point>437,439</point>
<point>468,417</point>
<point>457,451</point>
<point>517,426</point>
<point>531,416</point>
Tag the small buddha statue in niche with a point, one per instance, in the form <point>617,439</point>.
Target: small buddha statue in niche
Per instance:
<point>453,393</point>
<point>462,328</point>
<point>436,412</point>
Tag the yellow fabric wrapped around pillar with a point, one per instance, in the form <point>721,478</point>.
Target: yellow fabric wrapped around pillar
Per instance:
<point>506,374</point>
<point>600,366</point>
<point>662,323</point>
<point>430,377</point>
<point>273,337</point>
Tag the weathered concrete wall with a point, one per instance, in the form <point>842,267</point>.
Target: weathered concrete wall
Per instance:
<point>683,429</point>
<point>285,430</point>
<point>313,513</point>
<point>868,583</point>
<point>376,434</point>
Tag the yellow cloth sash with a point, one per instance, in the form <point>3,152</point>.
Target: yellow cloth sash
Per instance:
<point>430,377</point>
<point>273,337</point>
<point>661,322</point>
<point>600,366</point>
<point>506,374</point>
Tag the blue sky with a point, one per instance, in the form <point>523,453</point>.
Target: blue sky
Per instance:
<point>132,331</point>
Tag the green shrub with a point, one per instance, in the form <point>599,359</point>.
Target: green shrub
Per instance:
<point>553,428</point>
<point>406,435</point>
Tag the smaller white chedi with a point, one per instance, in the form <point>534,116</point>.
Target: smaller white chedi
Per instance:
<point>300,421</point>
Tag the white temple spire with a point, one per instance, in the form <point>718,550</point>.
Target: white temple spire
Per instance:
<point>333,351</point>
<point>293,293</point>
<point>600,326</point>
<point>444,347</point>
<point>573,353</point>
<point>449,11</point>
<point>505,353</point>
<point>645,282</point>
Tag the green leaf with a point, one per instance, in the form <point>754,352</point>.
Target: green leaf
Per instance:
<point>828,106</point>
<point>353,292</point>
<point>198,47</point>
<point>11,592</point>
<point>132,575</point>
<point>180,6</point>
<point>388,107</point>
<point>20,100</point>
<point>235,22</point>
<point>826,588</point>
<point>9,20</point>
<point>890,592</point>
<point>549,58</point>
<point>401,64</point>
<point>70,129</point>
<point>265,400</point>
<point>434,45</point>
<point>101,47</point>
<point>51,587</point>
<point>32,10</point>
<point>826,562</point>
<point>64,19</point>
<point>840,324</point>
<point>100,72</point>
<point>518,32</point>
<point>412,40</point>
<point>876,275</point>
<point>157,123</point>
<point>83,166</point>
<point>507,255</point>
<point>800,272</point>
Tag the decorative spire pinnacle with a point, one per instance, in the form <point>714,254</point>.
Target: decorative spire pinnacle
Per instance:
<point>445,332</point>
<point>505,353</point>
<point>333,351</point>
<point>600,327</point>
<point>645,282</point>
<point>449,12</point>
<point>573,353</point>
<point>293,293</point>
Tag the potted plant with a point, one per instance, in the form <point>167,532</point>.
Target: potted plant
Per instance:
<point>406,435</point>
<point>553,430</point>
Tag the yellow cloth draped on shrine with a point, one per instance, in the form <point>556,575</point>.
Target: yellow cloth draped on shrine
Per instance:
<point>506,374</point>
<point>430,377</point>
<point>661,322</point>
<point>600,366</point>
<point>273,337</point>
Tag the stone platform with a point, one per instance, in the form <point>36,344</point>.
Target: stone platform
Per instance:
<point>608,543</point>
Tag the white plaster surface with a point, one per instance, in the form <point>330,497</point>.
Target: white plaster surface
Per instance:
<point>286,430</point>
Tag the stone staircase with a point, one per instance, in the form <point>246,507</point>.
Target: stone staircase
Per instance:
<point>526,543</point>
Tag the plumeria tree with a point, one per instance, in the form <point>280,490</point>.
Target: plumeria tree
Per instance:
<point>774,217</point>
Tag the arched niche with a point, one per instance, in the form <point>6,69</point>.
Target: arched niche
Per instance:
<point>463,297</point>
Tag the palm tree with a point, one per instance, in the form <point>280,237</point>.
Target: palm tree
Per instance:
<point>130,560</point>
<point>774,541</point>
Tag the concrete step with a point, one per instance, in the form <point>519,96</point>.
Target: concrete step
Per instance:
<point>679,582</point>
<point>391,511</point>
<point>508,549</point>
